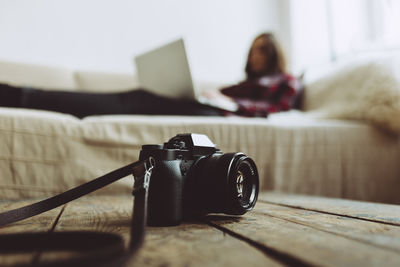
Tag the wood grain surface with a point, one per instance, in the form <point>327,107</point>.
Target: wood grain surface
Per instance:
<point>385,213</point>
<point>189,244</point>
<point>308,244</point>
<point>283,230</point>
<point>380,235</point>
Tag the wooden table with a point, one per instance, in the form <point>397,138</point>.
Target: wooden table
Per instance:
<point>282,230</point>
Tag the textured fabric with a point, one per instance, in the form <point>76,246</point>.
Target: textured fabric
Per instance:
<point>368,91</point>
<point>42,153</point>
<point>265,95</point>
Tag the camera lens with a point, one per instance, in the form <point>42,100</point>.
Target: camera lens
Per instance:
<point>226,183</point>
<point>242,184</point>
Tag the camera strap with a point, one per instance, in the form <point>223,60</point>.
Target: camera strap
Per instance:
<point>100,249</point>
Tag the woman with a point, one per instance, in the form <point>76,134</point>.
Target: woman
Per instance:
<point>267,89</point>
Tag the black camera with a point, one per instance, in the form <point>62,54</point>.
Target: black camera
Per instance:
<point>192,177</point>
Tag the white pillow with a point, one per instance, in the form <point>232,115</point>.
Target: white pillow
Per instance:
<point>368,91</point>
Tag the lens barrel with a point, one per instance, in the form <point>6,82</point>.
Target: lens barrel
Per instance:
<point>227,183</point>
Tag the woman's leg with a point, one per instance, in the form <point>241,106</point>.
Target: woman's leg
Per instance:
<point>79,104</point>
<point>10,96</point>
<point>144,102</point>
<point>82,104</point>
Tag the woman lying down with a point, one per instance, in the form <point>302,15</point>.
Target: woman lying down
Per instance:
<point>266,89</point>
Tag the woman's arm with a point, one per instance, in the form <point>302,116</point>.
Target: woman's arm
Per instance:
<point>261,108</point>
<point>257,100</point>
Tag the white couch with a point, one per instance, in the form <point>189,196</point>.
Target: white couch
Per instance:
<point>43,153</point>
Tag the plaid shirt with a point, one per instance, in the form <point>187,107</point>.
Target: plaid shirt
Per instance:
<point>265,95</point>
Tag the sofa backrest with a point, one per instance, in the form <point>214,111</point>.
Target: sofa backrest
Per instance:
<point>22,74</point>
<point>50,77</point>
<point>57,78</point>
<point>105,81</point>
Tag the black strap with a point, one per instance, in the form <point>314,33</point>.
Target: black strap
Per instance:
<point>101,249</point>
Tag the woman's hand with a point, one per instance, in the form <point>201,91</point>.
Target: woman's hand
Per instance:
<point>215,94</point>
<point>217,99</point>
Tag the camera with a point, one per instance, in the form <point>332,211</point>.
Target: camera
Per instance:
<point>193,177</point>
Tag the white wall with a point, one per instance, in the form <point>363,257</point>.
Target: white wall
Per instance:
<point>310,43</point>
<point>105,35</point>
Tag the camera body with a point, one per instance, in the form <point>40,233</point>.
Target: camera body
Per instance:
<point>192,177</point>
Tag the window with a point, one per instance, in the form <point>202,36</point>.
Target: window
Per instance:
<point>326,31</point>
<point>362,25</point>
<point>390,17</point>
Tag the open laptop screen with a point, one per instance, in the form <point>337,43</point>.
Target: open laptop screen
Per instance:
<point>165,71</point>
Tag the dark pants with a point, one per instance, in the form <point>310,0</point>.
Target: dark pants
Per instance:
<point>82,104</point>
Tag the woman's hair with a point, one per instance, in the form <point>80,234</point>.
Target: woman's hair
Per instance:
<point>275,59</point>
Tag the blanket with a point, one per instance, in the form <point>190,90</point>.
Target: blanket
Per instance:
<point>368,91</point>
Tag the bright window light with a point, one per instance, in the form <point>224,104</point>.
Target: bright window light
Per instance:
<point>391,22</point>
<point>362,25</point>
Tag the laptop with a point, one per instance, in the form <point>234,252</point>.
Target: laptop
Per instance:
<point>166,71</point>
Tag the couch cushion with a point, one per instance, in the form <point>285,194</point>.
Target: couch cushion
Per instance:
<point>105,81</point>
<point>45,77</point>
